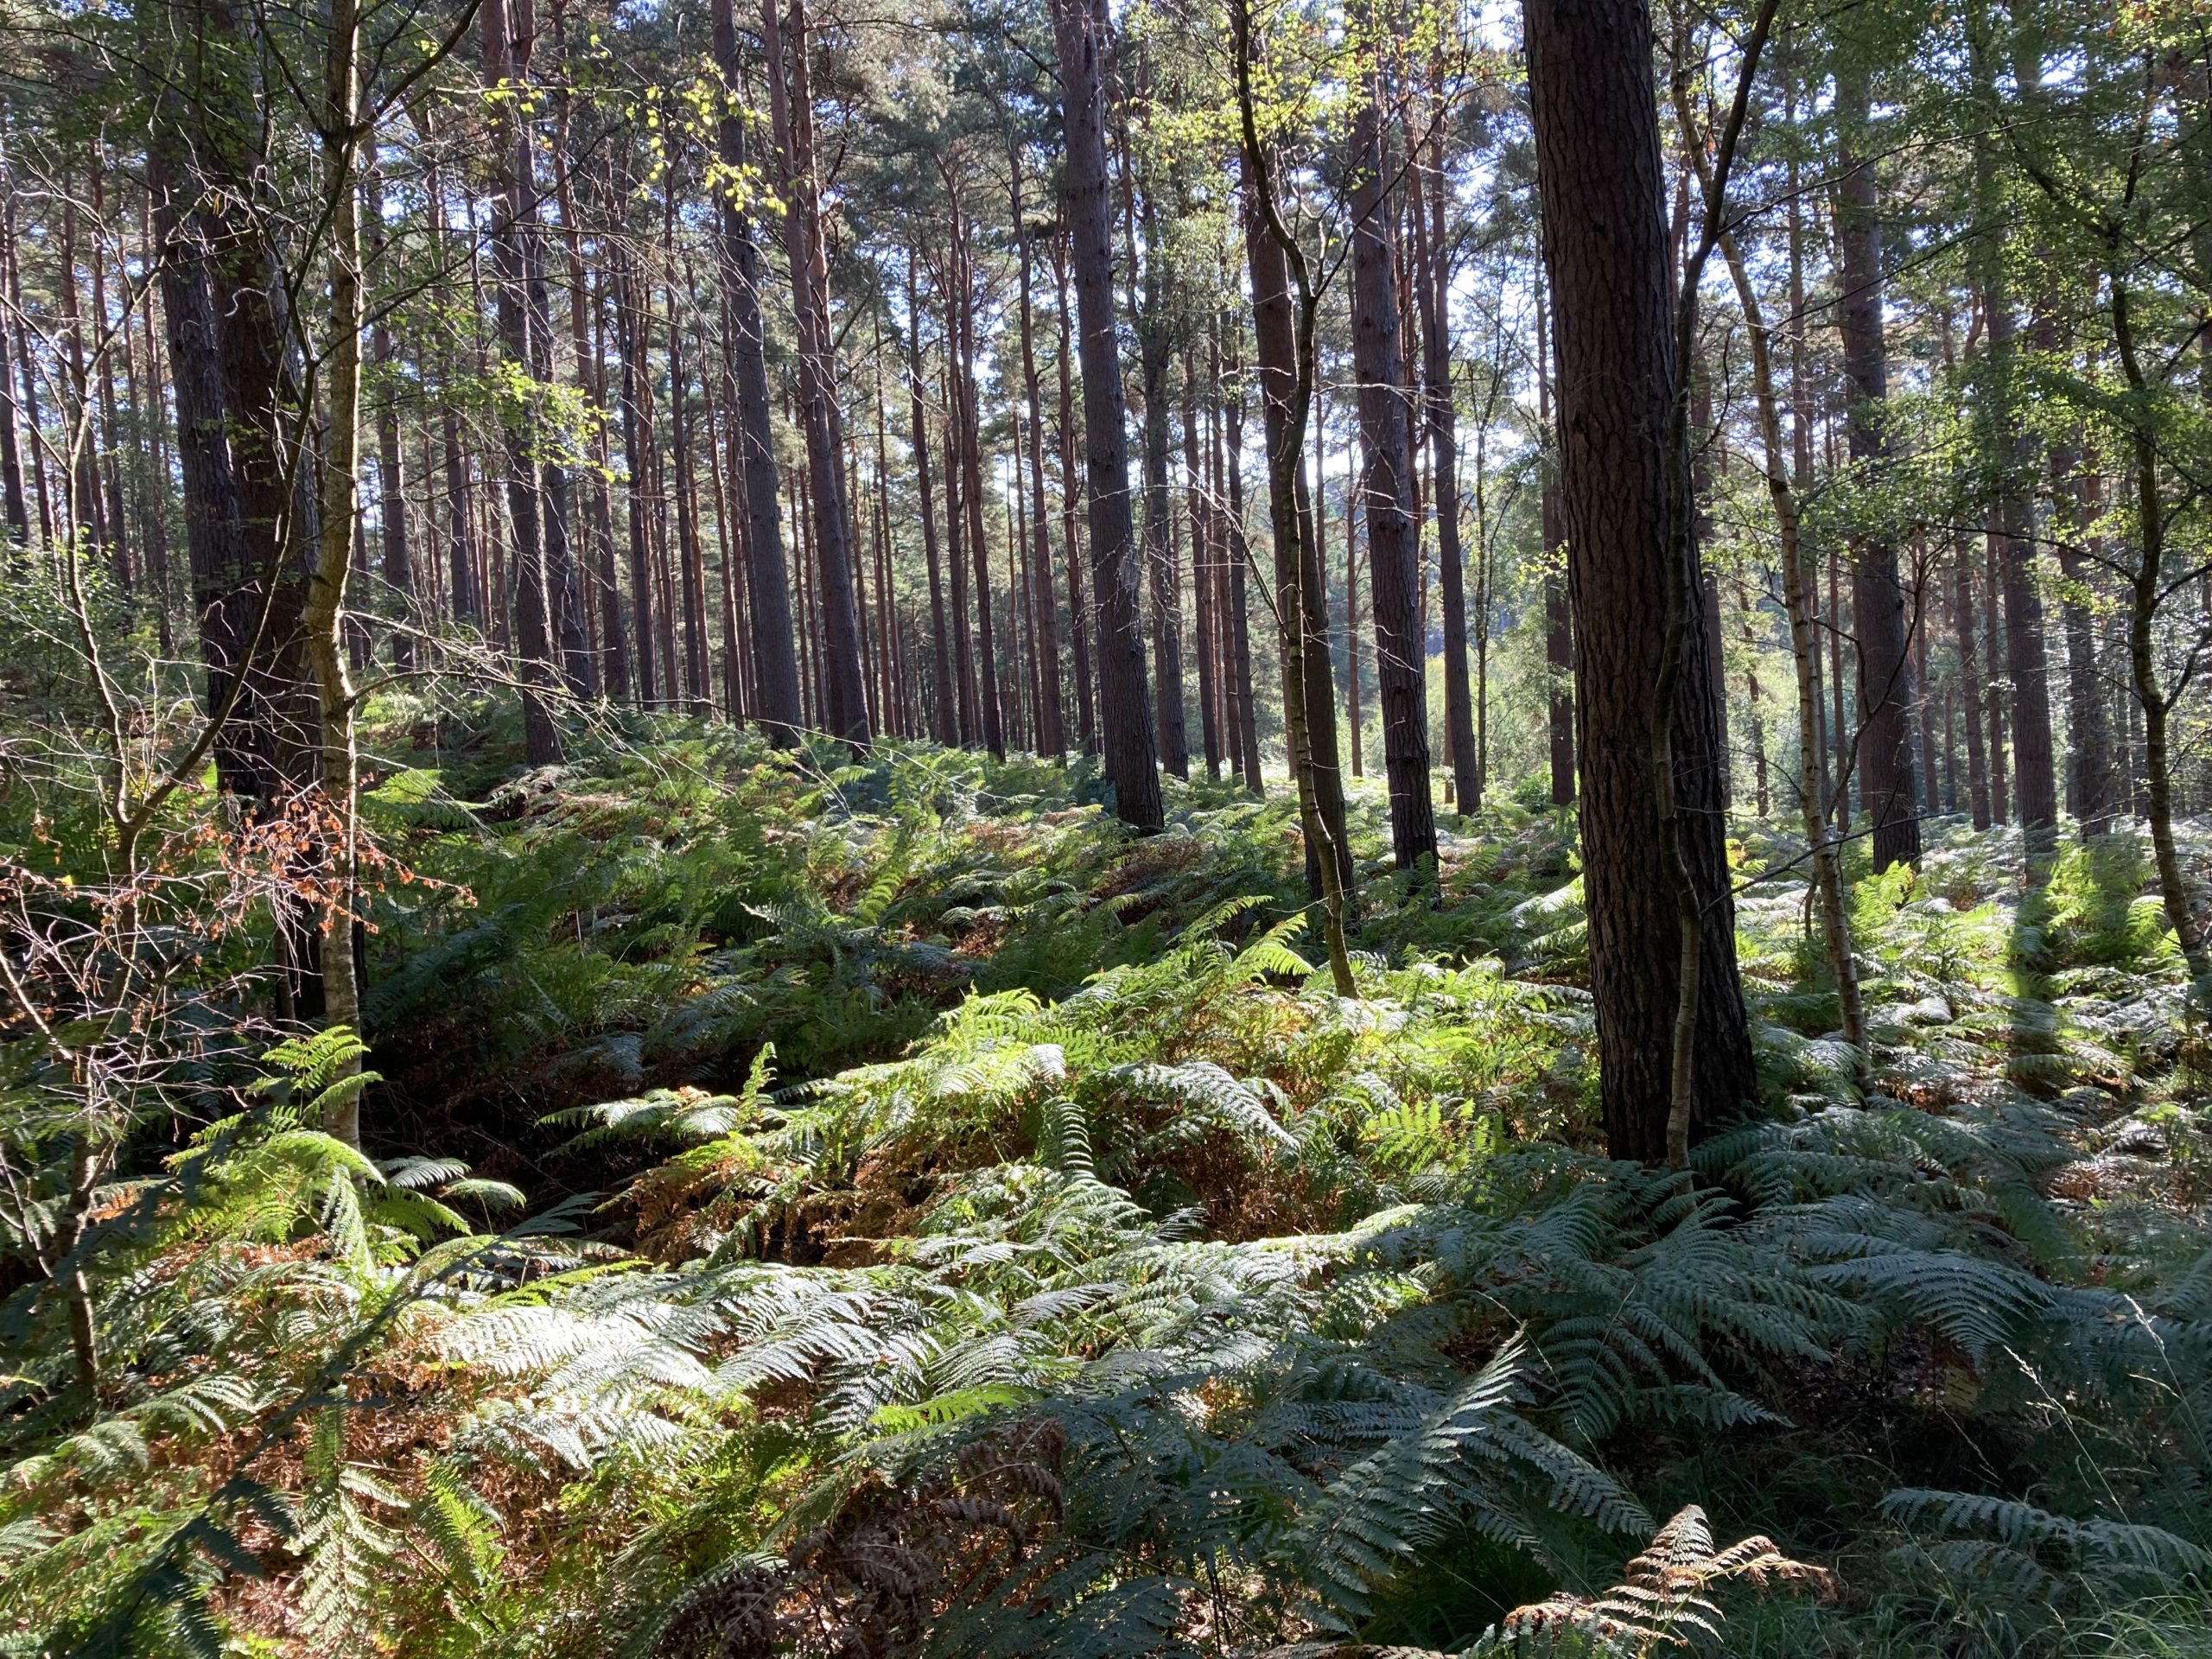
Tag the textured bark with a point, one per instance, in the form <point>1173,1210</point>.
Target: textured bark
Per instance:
<point>2034,763</point>
<point>1203,566</point>
<point>775,656</point>
<point>391,472</point>
<point>1126,738</point>
<point>1887,691</point>
<point>227,589</point>
<point>945,725</point>
<point>1284,331</point>
<point>2096,791</point>
<point>11,458</point>
<point>1432,256</point>
<point>1559,614</point>
<point>1393,544</point>
<point>1600,172</point>
<point>1159,553</point>
<point>792,115</point>
<point>1051,725</point>
<point>1992,586</point>
<point>1239,554</point>
<point>967,427</point>
<point>636,435</point>
<point>515,215</point>
<point>1071,514</point>
<point>1962,615</point>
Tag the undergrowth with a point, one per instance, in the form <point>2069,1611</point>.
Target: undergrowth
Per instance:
<point>836,1208</point>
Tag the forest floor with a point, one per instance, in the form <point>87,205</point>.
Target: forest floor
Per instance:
<point>822,1207</point>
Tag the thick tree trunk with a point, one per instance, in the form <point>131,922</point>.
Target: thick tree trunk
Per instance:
<point>775,656</point>
<point>1558,615</point>
<point>1126,738</point>
<point>1599,170</point>
<point>2034,762</point>
<point>12,459</point>
<point>1962,614</point>
<point>1887,691</point>
<point>227,587</point>
<point>1378,360</point>
<point>790,100</point>
<point>516,215</point>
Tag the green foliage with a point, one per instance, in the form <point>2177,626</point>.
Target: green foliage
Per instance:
<point>1004,1218</point>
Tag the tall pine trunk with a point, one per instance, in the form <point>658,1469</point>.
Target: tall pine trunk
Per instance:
<point>1600,175</point>
<point>1386,492</point>
<point>1127,739</point>
<point>790,100</point>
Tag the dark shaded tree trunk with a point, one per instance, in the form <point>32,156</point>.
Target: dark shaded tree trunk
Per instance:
<point>1071,513</point>
<point>1558,615</point>
<point>1386,497</point>
<point>1239,553</point>
<point>1962,615</point>
<point>790,99</point>
<point>226,589</point>
<point>1052,726</point>
<point>1127,739</point>
<point>1887,690</point>
<point>1599,170</point>
<point>391,475</point>
<point>775,656</point>
<point>1159,554</point>
<point>516,213</point>
<point>2096,793</point>
<point>944,723</point>
<point>1432,255</point>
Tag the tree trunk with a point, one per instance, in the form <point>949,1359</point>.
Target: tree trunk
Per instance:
<point>2146,591</point>
<point>341,490</point>
<point>1239,555</point>
<point>1970,689</point>
<point>1827,881</point>
<point>1159,560</point>
<point>1071,512</point>
<point>1378,361</point>
<point>791,117</point>
<point>516,214</point>
<point>775,656</point>
<point>1558,615</point>
<point>1887,692</point>
<point>1050,723</point>
<point>391,473</point>
<point>1126,734</point>
<point>2096,794</point>
<point>1284,331</point>
<point>943,712</point>
<point>1600,170</point>
<point>1433,256</point>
